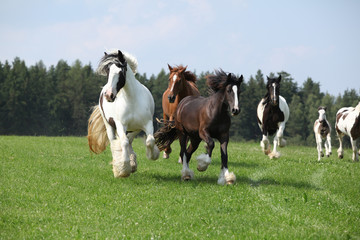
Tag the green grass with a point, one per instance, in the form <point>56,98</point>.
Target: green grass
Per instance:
<point>53,188</point>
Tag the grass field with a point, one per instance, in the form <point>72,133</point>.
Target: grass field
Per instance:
<point>53,188</point>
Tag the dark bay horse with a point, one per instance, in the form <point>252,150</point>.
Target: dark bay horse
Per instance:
<point>181,84</point>
<point>272,115</point>
<point>199,118</point>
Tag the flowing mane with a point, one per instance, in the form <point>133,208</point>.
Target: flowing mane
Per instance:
<point>112,58</point>
<point>219,80</point>
<point>189,76</point>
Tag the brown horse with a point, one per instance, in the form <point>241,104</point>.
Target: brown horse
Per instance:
<point>181,84</point>
<point>199,118</point>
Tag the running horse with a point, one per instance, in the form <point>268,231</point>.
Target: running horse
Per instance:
<point>348,123</point>
<point>322,131</point>
<point>272,115</point>
<point>181,84</point>
<point>125,108</point>
<point>202,119</point>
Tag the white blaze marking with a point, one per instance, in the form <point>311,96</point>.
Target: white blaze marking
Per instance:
<point>173,82</point>
<point>274,85</point>
<point>234,88</point>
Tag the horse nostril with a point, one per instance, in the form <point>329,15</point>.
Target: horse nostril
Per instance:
<point>171,98</point>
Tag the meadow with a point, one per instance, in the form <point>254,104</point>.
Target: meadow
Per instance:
<point>53,188</point>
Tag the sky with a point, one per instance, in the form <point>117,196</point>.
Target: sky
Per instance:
<point>319,39</point>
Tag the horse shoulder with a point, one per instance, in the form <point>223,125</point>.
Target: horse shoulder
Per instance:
<point>284,108</point>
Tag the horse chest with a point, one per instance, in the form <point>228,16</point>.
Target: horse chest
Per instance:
<point>272,117</point>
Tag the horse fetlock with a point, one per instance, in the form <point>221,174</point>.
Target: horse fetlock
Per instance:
<point>122,169</point>
<point>203,162</point>
<point>133,162</point>
<point>282,142</point>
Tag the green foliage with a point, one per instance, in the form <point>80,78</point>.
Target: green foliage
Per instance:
<point>53,188</point>
<point>57,101</point>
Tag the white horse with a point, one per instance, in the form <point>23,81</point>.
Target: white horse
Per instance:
<point>322,131</point>
<point>125,108</point>
<point>348,123</point>
<point>272,115</point>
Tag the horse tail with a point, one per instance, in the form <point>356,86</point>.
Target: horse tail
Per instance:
<point>165,135</point>
<point>97,136</point>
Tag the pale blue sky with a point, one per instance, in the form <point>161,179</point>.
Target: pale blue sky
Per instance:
<point>306,38</point>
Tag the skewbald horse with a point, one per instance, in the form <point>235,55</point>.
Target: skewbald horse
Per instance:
<point>272,115</point>
<point>322,131</point>
<point>348,123</point>
<point>182,83</point>
<point>202,119</point>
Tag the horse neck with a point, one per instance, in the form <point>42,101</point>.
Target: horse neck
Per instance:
<point>218,102</point>
<point>185,88</point>
<point>130,84</point>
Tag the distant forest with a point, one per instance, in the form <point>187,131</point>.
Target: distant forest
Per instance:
<point>57,101</point>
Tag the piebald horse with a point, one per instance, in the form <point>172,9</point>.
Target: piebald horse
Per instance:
<point>202,119</point>
<point>272,115</point>
<point>182,83</point>
<point>125,108</point>
<point>322,131</point>
<point>348,123</point>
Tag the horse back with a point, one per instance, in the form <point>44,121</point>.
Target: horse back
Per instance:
<point>188,113</point>
<point>348,122</point>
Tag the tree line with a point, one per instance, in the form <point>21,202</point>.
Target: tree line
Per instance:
<point>57,101</point>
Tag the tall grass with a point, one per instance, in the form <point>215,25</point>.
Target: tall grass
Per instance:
<point>54,188</point>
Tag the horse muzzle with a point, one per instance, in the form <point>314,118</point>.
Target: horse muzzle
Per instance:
<point>171,98</point>
<point>110,97</point>
<point>235,111</point>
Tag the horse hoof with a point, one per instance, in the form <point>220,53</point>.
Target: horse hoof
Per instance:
<point>322,154</point>
<point>230,182</point>
<point>186,178</point>
<point>201,169</point>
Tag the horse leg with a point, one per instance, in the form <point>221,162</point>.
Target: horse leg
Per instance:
<point>152,151</point>
<point>264,143</point>
<point>133,156</point>
<point>225,176</point>
<point>167,149</point>
<point>328,145</point>
<point>120,153</point>
<point>186,172</point>
<point>278,141</point>
<point>355,156</point>
<point>340,150</point>
<point>318,145</point>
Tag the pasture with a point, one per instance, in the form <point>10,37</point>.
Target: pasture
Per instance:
<point>53,188</point>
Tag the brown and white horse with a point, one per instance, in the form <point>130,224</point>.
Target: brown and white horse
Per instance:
<point>348,123</point>
<point>322,131</point>
<point>272,115</point>
<point>181,84</point>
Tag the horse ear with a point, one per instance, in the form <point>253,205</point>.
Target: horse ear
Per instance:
<point>170,68</point>
<point>229,76</point>
<point>279,78</point>
<point>105,53</point>
<point>241,78</point>
<point>184,68</point>
<point>121,56</point>
<point>325,108</point>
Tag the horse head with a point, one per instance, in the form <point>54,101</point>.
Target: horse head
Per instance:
<point>322,113</point>
<point>232,93</point>
<point>273,87</point>
<point>175,77</point>
<point>116,72</point>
